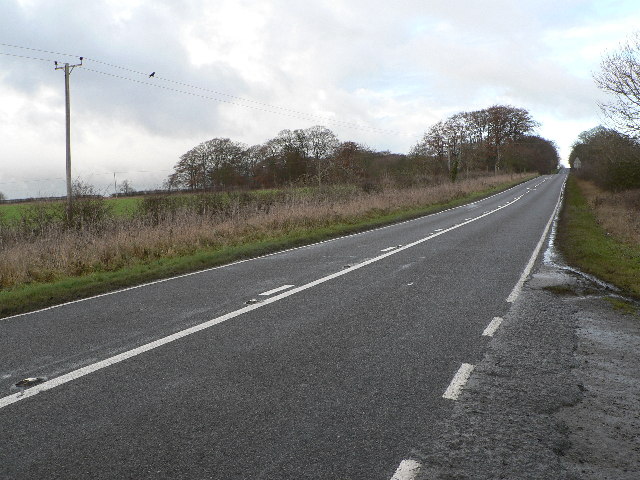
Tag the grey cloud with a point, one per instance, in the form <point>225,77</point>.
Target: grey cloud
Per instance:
<point>356,45</point>
<point>370,61</point>
<point>149,41</point>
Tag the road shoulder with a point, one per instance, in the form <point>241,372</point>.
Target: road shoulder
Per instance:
<point>604,427</point>
<point>556,395</point>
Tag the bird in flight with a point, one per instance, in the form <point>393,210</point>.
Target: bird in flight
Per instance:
<point>153,74</point>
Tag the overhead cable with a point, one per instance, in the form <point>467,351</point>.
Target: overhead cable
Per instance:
<point>235,100</point>
<point>24,56</point>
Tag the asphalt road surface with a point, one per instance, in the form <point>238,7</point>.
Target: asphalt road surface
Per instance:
<point>323,362</point>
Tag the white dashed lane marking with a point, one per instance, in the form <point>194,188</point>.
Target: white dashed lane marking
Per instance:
<point>276,290</point>
<point>407,470</point>
<point>492,327</point>
<point>461,377</point>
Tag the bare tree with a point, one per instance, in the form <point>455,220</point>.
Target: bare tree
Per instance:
<point>126,188</point>
<point>506,124</point>
<point>608,158</point>
<point>218,161</point>
<point>476,138</point>
<point>80,188</point>
<point>620,77</point>
<point>224,160</point>
<point>433,144</point>
<point>456,135</point>
<point>190,170</point>
<point>322,146</point>
<point>291,154</point>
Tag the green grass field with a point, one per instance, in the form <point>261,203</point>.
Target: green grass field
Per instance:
<point>11,211</point>
<point>120,206</point>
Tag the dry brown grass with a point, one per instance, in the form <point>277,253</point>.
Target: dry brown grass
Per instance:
<point>617,213</point>
<point>58,253</point>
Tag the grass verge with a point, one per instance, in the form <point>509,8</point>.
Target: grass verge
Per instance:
<point>622,306</point>
<point>32,296</point>
<point>586,245</point>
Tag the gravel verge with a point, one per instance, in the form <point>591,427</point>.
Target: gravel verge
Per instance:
<point>556,395</point>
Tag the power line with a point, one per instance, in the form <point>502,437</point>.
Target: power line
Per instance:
<point>237,100</point>
<point>32,180</point>
<point>183,84</point>
<point>302,116</point>
<point>216,92</point>
<point>24,56</point>
<point>37,50</point>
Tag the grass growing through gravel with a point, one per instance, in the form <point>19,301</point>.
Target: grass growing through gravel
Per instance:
<point>585,243</point>
<point>62,265</point>
<point>622,306</point>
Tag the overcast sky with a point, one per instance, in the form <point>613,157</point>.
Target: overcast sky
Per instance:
<point>376,72</point>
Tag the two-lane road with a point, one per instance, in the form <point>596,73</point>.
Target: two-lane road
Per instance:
<point>336,372</point>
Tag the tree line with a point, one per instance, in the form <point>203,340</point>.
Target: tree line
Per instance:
<point>495,138</point>
<point>499,138</point>
<point>610,155</point>
<point>609,158</point>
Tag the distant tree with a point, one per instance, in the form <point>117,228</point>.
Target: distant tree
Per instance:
<point>444,142</point>
<point>289,156</point>
<point>300,155</point>
<point>126,188</point>
<point>456,135</point>
<point>225,161</point>
<point>473,139</point>
<point>253,168</point>
<point>2,197</point>
<point>171,183</point>
<point>348,162</point>
<point>434,146</point>
<point>216,162</point>
<point>476,150</point>
<point>619,76</point>
<point>80,188</point>
<point>190,170</point>
<point>506,123</point>
<point>322,146</point>
<point>609,158</point>
<point>531,153</point>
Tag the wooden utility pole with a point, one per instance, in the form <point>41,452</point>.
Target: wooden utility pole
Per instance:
<point>67,72</point>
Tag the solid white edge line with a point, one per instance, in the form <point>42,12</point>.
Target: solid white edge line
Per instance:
<point>162,280</point>
<point>276,290</point>
<point>459,380</point>
<point>407,470</point>
<point>55,382</point>
<point>492,327</point>
<point>536,251</point>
